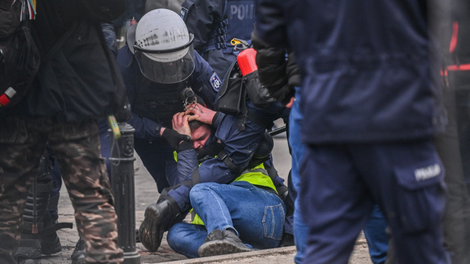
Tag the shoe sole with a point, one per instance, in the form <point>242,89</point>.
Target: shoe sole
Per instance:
<point>30,261</point>
<point>215,248</point>
<point>151,232</point>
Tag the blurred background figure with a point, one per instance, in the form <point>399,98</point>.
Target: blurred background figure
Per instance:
<point>214,24</point>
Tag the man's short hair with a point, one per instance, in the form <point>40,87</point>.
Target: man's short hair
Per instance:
<point>195,124</point>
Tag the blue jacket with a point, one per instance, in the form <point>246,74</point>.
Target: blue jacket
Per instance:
<point>365,67</point>
<point>201,82</point>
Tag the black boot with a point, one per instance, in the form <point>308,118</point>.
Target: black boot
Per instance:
<point>159,218</point>
<point>29,250</point>
<point>78,255</point>
<point>220,243</point>
<point>287,240</point>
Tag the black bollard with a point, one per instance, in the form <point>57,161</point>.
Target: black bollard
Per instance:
<point>122,180</point>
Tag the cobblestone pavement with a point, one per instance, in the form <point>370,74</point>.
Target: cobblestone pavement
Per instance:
<point>146,193</point>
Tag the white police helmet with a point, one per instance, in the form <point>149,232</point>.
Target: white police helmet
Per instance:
<point>163,47</point>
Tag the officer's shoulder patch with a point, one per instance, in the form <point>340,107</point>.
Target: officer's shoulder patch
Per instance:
<point>215,81</point>
<point>183,12</point>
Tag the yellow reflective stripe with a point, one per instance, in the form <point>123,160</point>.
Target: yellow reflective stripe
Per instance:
<point>265,172</point>
<point>197,220</point>
<point>257,176</point>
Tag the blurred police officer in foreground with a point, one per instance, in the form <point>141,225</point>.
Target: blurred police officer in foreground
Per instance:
<point>71,90</point>
<point>371,105</point>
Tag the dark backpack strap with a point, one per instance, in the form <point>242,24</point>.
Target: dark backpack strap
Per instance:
<point>229,162</point>
<point>30,59</point>
<point>281,188</point>
<point>58,45</point>
<point>241,118</point>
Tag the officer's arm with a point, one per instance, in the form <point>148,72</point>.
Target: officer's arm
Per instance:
<point>201,113</point>
<point>144,128</point>
<point>270,23</point>
<point>272,69</point>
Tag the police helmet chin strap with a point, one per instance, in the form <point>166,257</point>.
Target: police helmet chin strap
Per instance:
<point>130,37</point>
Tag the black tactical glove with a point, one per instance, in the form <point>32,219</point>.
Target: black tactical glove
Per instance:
<point>174,138</point>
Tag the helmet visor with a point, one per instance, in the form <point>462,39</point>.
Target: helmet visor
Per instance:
<point>166,71</point>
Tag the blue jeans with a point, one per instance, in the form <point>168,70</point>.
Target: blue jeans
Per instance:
<point>377,239</point>
<point>297,152</point>
<point>255,214</point>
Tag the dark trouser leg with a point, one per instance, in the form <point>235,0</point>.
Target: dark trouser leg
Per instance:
<point>340,181</point>
<point>19,160</point>
<point>154,157</point>
<point>333,203</point>
<point>406,179</point>
<point>78,153</point>
<point>453,147</point>
<point>56,185</point>
<point>39,231</point>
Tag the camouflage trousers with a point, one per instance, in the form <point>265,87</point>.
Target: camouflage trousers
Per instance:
<point>77,149</point>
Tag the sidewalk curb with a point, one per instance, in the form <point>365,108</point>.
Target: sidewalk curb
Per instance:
<point>252,254</point>
<point>239,256</point>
